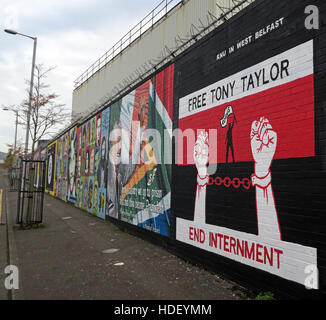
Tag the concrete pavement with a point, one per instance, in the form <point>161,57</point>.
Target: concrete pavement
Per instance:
<point>64,260</point>
<point>4,294</point>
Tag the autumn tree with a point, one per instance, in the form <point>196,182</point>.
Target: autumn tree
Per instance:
<point>47,115</point>
<point>13,154</point>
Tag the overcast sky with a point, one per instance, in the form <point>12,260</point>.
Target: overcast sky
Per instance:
<point>72,34</point>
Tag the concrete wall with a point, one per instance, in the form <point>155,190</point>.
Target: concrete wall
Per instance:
<point>249,201</point>
<point>178,22</point>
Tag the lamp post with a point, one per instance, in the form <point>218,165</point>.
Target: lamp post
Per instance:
<point>16,112</point>
<point>31,85</point>
<point>31,172</point>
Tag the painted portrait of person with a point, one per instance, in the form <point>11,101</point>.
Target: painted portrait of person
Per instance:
<point>102,165</point>
<point>86,193</point>
<point>78,193</point>
<point>97,152</point>
<point>93,130</point>
<point>122,117</point>
<point>95,197</point>
<point>87,161</point>
<point>98,130</point>
<point>79,163</point>
<point>50,167</point>
<point>91,161</point>
<point>80,137</point>
<point>88,133</point>
<point>84,142</point>
<point>72,165</point>
<point>81,192</point>
<point>112,206</point>
<point>90,195</point>
<point>118,174</point>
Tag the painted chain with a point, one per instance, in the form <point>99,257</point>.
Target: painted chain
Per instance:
<point>228,182</point>
<point>245,183</point>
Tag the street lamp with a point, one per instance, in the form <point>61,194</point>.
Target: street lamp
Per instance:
<point>16,112</point>
<point>31,85</point>
<point>10,31</point>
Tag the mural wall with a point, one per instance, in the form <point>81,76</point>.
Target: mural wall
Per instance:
<point>113,165</point>
<point>249,94</point>
<point>51,167</point>
<point>252,122</point>
<point>245,107</point>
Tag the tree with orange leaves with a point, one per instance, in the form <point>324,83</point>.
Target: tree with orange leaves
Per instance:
<point>46,113</point>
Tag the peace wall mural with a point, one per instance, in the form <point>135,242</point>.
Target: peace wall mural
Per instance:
<point>114,166</point>
<point>251,112</point>
<point>222,152</point>
<point>249,116</point>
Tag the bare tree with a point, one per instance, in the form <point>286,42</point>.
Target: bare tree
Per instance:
<point>46,113</point>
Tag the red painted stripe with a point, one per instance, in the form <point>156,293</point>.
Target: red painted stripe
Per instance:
<point>289,108</point>
<point>164,88</point>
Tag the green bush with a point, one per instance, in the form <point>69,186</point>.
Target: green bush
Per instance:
<point>265,296</point>
<point>9,160</point>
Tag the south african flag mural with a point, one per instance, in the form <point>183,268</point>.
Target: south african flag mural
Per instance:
<point>139,180</point>
<point>120,159</point>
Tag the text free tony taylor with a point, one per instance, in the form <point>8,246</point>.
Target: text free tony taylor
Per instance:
<point>254,251</point>
<point>278,70</point>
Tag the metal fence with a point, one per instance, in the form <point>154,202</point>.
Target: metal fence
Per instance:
<point>14,175</point>
<point>31,193</point>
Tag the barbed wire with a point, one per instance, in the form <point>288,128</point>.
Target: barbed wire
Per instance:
<point>166,55</point>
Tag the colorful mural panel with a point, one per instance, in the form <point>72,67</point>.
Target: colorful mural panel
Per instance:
<point>51,168</point>
<point>113,166</point>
